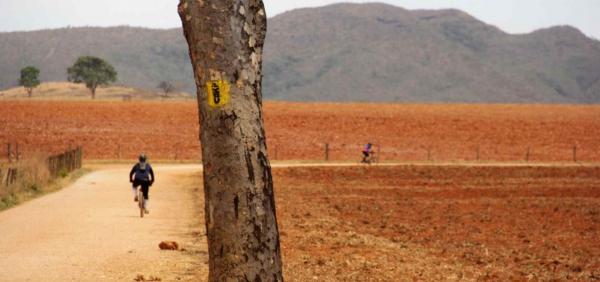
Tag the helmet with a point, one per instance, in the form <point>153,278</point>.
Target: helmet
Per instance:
<point>142,158</point>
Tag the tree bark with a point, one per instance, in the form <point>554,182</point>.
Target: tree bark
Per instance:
<point>226,40</point>
<point>93,89</point>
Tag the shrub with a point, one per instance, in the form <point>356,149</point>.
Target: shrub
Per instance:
<point>63,173</point>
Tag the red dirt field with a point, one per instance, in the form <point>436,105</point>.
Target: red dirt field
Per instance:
<point>439,223</point>
<point>296,131</point>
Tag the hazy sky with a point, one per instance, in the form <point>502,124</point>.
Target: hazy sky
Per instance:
<point>515,16</point>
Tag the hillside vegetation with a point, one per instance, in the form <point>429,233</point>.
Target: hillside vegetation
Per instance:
<point>72,91</point>
<point>347,52</point>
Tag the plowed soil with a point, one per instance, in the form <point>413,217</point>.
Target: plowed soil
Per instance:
<point>169,130</point>
<point>440,223</point>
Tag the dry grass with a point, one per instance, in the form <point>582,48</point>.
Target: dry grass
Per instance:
<point>33,180</point>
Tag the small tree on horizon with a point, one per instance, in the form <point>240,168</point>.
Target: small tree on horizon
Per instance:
<point>93,72</point>
<point>29,79</point>
<point>167,87</point>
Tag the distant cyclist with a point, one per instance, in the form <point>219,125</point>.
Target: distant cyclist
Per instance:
<point>142,175</point>
<point>367,152</point>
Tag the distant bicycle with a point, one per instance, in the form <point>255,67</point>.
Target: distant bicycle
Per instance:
<point>371,159</point>
<point>369,156</point>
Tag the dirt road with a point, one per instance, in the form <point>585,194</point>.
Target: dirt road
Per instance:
<point>91,231</point>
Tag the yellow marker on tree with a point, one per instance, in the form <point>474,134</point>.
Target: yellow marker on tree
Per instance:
<point>217,93</point>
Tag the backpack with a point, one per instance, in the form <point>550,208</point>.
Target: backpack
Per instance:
<point>142,171</point>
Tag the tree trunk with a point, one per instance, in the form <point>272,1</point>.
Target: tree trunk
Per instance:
<point>29,92</point>
<point>226,40</point>
<point>93,89</point>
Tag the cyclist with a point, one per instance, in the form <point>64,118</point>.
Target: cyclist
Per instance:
<point>142,175</point>
<point>367,151</point>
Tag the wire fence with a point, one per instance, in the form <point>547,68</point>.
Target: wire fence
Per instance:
<point>8,176</point>
<point>65,162</point>
<point>351,152</point>
<point>57,165</point>
<point>458,153</point>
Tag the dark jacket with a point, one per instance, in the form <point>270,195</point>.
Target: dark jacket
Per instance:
<point>143,172</point>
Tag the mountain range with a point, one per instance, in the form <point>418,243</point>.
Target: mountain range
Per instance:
<point>347,52</point>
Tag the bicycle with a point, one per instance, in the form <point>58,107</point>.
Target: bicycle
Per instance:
<point>140,196</point>
<point>372,158</point>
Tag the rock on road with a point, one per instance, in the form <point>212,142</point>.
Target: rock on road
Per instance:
<point>91,231</point>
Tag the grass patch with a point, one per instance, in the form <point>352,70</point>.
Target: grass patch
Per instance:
<point>34,180</point>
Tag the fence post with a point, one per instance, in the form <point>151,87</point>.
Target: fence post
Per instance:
<point>575,153</point>
<point>79,157</point>
<point>7,180</point>
<point>378,153</point>
<point>326,151</point>
<point>11,176</point>
<point>17,152</point>
<point>72,159</point>
<point>68,160</point>
<point>528,154</point>
<point>9,152</point>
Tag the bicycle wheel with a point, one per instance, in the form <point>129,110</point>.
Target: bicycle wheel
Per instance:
<point>141,202</point>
